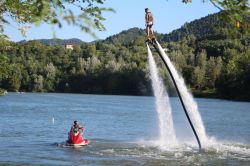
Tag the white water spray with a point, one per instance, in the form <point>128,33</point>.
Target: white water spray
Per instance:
<point>188,99</point>
<point>163,108</point>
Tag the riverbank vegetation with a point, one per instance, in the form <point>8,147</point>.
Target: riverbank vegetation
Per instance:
<point>213,60</point>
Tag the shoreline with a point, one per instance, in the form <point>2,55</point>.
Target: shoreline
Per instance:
<point>202,94</point>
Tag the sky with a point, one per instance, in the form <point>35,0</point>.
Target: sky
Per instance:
<point>169,15</point>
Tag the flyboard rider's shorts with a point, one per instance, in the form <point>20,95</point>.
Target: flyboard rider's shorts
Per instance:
<point>150,24</point>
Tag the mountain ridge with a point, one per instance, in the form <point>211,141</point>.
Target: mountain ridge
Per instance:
<point>208,27</point>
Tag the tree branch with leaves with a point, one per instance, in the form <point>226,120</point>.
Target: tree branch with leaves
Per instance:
<point>236,12</point>
<point>54,12</point>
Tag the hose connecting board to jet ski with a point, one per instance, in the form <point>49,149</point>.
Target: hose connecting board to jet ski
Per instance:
<point>154,43</point>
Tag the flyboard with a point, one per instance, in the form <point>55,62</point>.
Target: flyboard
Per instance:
<point>154,43</point>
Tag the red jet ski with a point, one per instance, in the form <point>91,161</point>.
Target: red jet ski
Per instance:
<point>76,139</point>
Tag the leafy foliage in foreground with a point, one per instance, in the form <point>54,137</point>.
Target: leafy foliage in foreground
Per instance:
<point>85,14</point>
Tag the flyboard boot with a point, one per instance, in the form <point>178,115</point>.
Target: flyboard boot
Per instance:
<point>153,39</point>
<point>148,39</point>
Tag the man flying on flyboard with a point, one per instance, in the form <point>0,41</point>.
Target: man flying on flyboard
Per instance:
<point>149,18</point>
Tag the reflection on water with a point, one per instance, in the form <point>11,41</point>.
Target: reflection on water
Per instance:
<point>122,130</point>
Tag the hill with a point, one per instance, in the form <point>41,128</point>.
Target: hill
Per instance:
<point>209,27</point>
<point>56,41</point>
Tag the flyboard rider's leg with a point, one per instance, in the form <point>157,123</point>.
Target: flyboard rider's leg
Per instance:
<point>152,32</point>
<point>148,34</point>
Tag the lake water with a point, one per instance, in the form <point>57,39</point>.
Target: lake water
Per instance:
<point>123,130</point>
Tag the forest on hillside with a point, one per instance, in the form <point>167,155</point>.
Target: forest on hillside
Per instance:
<point>213,61</point>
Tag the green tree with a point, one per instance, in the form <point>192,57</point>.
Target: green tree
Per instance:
<point>198,77</point>
<point>38,83</point>
<point>234,80</point>
<point>113,66</point>
<point>235,11</point>
<point>4,67</point>
<point>50,73</point>
<point>211,72</point>
<point>89,51</point>
<point>200,70</point>
<point>14,77</point>
<point>80,66</point>
<point>93,65</point>
<point>201,59</point>
<point>53,12</point>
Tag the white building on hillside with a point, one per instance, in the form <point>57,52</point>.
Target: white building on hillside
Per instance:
<point>69,46</point>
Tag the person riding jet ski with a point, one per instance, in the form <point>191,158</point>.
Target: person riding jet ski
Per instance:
<point>76,127</point>
<point>75,137</point>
